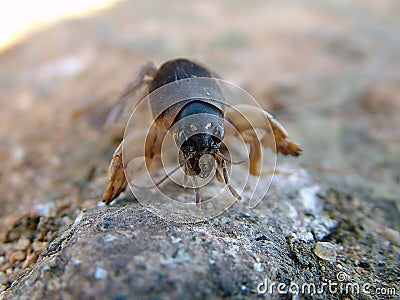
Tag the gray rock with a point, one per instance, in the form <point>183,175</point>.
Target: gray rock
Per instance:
<point>124,252</point>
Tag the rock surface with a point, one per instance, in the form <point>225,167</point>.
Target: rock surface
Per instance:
<point>124,252</point>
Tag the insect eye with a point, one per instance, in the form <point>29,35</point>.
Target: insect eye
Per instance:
<point>219,132</point>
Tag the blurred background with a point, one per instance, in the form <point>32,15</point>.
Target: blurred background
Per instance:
<point>328,70</point>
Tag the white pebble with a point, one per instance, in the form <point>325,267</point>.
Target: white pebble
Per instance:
<point>100,273</point>
<point>325,251</point>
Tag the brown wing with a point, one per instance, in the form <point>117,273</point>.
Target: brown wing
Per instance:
<point>131,96</point>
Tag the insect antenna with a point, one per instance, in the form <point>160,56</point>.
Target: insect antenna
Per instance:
<point>164,178</point>
<point>226,178</point>
<point>220,155</point>
<point>219,176</point>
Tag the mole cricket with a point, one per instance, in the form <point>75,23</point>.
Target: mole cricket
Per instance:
<point>199,141</point>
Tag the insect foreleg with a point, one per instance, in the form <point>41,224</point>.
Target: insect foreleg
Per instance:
<point>131,147</point>
<point>116,177</point>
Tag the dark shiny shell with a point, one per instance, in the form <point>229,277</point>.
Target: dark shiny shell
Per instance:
<point>166,103</point>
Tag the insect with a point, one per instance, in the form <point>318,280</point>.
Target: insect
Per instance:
<point>199,139</point>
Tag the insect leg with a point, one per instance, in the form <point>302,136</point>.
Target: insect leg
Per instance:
<point>154,141</point>
<point>219,176</point>
<point>116,177</point>
<point>133,148</point>
<point>246,118</point>
<point>185,180</point>
<point>255,154</point>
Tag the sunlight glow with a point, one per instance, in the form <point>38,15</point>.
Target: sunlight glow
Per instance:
<point>19,18</point>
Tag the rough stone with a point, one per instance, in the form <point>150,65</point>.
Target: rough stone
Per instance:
<point>138,254</point>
